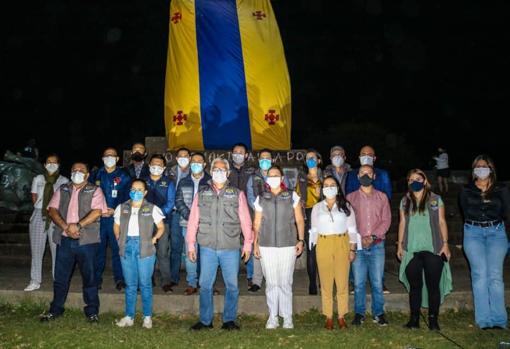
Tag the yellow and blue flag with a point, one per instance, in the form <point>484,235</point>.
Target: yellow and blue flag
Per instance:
<point>227,79</point>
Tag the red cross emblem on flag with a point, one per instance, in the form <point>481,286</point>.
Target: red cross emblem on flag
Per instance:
<point>259,15</point>
<point>271,117</point>
<point>180,118</point>
<point>176,17</point>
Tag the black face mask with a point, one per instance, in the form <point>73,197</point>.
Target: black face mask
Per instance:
<point>138,157</point>
<point>365,181</point>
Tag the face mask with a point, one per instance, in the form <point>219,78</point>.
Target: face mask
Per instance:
<point>274,182</point>
<point>416,186</point>
<point>136,195</point>
<point>196,168</point>
<point>265,164</point>
<point>337,161</point>
<point>365,181</point>
<point>238,158</point>
<point>51,168</point>
<point>109,161</point>
<point>366,160</point>
<point>183,162</point>
<point>137,157</point>
<point>330,192</point>
<point>219,177</point>
<point>77,177</point>
<point>482,172</point>
<point>311,163</point>
<point>156,170</point>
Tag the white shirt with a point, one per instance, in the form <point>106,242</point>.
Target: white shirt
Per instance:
<point>38,184</point>
<point>441,161</point>
<point>196,182</point>
<point>133,228</point>
<point>326,222</point>
<point>295,202</point>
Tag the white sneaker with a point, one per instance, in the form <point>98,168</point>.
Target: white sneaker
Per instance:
<point>32,286</point>
<point>272,323</point>
<point>288,324</point>
<point>147,322</point>
<point>126,321</point>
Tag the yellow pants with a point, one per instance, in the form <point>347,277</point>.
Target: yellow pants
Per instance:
<point>333,264</point>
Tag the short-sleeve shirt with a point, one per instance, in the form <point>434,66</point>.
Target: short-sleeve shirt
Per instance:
<point>38,184</point>
<point>98,203</point>
<point>133,227</point>
<point>295,202</point>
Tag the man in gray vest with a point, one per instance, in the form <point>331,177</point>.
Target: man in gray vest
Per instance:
<point>219,214</point>
<point>75,209</point>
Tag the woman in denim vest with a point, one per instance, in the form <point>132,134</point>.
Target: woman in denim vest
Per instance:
<point>134,228</point>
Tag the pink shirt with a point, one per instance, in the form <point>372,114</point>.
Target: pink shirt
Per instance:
<point>373,212</point>
<point>98,203</point>
<point>244,217</point>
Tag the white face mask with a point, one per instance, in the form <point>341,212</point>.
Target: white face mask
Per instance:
<point>219,177</point>
<point>183,162</point>
<point>330,192</point>
<point>366,160</point>
<point>337,160</point>
<point>274,182</point>
<point>156,170</point>
<point>51,168</point>
<point>77,177</point>
<point>109,161</point>
<point>482,172</point>
<point>238,158</point>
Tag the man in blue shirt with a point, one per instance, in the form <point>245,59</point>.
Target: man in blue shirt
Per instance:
<point>115,183</point>
<point>161,192</point>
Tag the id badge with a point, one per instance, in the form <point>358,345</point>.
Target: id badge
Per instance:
<point>114,193</point>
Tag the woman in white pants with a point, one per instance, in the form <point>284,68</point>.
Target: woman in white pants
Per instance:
<point>41,226</point>
<point>279,238</point>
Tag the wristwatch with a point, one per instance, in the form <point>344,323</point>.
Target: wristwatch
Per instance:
<point>79,226</point>
<point>303,241</point>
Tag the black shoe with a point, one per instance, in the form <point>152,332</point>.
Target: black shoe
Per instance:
<point>380,320</point>
<point>94,318</point>
<point>119,285</point>
<point>250,283</point>
<point>48,317</point>
<point>433,324</point>
<point>200,326</point>
<point>358,320</point>
<point>414,322</point>
<point>254,288</point>
<point>167,288</point>
<point>229,326</point>
<point>498,328</point>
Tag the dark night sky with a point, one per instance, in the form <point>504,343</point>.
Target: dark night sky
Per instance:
<point>404,75</point>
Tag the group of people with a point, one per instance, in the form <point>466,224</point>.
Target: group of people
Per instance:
<point>226,212</point>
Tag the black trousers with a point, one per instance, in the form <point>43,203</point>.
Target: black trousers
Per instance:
<point>311,259</point>
<point>431,265</point>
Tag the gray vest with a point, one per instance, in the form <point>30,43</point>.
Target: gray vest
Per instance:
<point>433,208</point>
<point>88,234</point>
<point>219,226</point>
<point>278,228</point>
<point>145,226</point>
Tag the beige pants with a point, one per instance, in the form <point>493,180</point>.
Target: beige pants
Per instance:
<point>333,263</point>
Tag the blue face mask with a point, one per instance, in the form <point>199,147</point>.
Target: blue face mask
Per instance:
<point>136,195</point>
<point>265,164</point>
<point>416,186</point>
<point>311,163</point>
<point>196,168</point>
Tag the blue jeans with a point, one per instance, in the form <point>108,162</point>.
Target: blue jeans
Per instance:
<point>369,261</point>
<point>176,243</point>
<point>138,274</point>
<point>485,249</point>
<point>228,260</point>
<point>108,239</point>
<point>192,269</point>
<point>69,253</point>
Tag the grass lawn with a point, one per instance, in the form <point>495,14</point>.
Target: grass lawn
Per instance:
<point>20,328</point>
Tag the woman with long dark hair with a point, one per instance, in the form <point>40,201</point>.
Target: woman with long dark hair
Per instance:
<point>423,249</point>
<point>333,230</point>
<point>485,203</point>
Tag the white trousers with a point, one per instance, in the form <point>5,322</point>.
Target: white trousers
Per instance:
<point>38,236</point>
<point>278,268</point>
